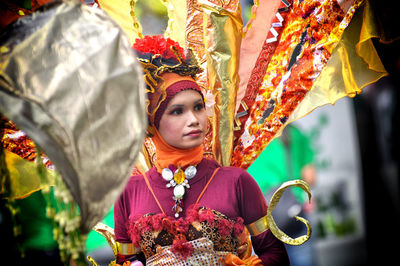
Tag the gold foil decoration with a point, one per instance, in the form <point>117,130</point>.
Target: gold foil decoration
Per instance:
<point>93,262</point>
<point>272,204</point>
<point>108,233</point>
<point>24,177</point>
<point>194,35</point>
<point>123,12</point>
<point>127,249</point>
<point>177,12</point>
<point>258,227</point>
<point>267,222</point>
<point>222,38</point>
<point>194,30</point>
<point>122,248</point>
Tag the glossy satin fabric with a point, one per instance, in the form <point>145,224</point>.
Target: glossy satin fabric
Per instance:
<point>70,80</point>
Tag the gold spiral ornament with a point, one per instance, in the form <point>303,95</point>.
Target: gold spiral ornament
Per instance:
<point>278,233</point>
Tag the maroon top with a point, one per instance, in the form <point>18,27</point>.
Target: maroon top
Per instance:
<point>232,192</point>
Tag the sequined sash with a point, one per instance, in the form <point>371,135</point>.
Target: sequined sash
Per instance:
<point>203,254</point>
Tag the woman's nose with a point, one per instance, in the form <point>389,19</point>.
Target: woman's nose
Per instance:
<point>192,119</point>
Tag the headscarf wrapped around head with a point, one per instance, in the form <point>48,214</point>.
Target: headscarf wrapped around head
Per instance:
<point>168,69</point>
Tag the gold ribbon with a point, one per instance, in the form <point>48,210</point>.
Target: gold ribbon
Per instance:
<point>267,222</point>
<point>222,37</point>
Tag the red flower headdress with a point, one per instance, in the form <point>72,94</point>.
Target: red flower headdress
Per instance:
<point>158,45</point>
<point>159,55</point>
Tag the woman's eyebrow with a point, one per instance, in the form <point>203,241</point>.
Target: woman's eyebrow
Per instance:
<point>175,106</point>
<point>183,105</point>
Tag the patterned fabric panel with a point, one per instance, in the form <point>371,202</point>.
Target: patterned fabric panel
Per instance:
<point>151,232</point>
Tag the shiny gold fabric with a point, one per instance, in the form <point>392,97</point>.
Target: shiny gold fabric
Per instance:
<point>194,37</point>
<point>71,82</point>
<point>127,249</point>
<point>258,227</point>
<point>177,12</point>
<point>223,35</point>
<point>353,65</point>
<point>24,177</point>
<point>123,12</point>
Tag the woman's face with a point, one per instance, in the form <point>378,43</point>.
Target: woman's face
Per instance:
<point>184,122</point>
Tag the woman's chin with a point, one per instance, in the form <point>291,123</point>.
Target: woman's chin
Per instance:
<point>190,144</point>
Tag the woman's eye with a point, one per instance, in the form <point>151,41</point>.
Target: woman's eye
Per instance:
<point>198,107</point>
<point>176,111</point>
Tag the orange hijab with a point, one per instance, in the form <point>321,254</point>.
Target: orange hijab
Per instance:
<point>167,154</point>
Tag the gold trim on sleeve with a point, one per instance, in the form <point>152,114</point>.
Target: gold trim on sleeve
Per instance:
<point>258,227</point>
<point>127,249</point>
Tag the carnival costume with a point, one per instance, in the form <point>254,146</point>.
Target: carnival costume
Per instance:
<point>290,59</point>
<point>263,103</point>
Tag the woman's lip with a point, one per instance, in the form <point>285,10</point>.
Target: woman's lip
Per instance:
<point>194,133</point>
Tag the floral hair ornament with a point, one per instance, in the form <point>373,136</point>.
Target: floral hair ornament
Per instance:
<point>159,55</point>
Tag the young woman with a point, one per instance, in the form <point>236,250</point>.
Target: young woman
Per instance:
<point>188,210</point>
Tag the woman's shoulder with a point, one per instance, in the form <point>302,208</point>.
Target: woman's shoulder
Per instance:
<point>135,178</point>
<point>235,171</point>
<point>134,181</point>
<point>231,172</point>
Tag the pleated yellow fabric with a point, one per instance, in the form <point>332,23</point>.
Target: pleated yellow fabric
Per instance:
<point>24,177</point>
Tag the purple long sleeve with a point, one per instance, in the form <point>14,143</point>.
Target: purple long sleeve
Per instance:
<point>253,206</point>
<point>270,250</point>
<point>232,192</point>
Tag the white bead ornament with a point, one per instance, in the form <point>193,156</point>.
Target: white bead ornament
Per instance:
<point>167,174</point>
<point>178,180</point>
<point>179,191</point>
<point>190,172</point>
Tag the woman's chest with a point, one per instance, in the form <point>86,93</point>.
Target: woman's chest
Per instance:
<point>219,196</point>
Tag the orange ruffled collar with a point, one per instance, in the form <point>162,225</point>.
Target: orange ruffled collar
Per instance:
<point>167,154</point>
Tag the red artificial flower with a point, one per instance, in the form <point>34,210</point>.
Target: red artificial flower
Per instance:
<point>157,221</point>
<point>238,227</point>
<point>134,234</point>
<point>145,224</point>
<point>206,215</point>
<point>224,227</point>
<point>192,214</point>
<point>181,246</point>
<point>159,45</point>
<point>167,225</point>
<point>182,226</point>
